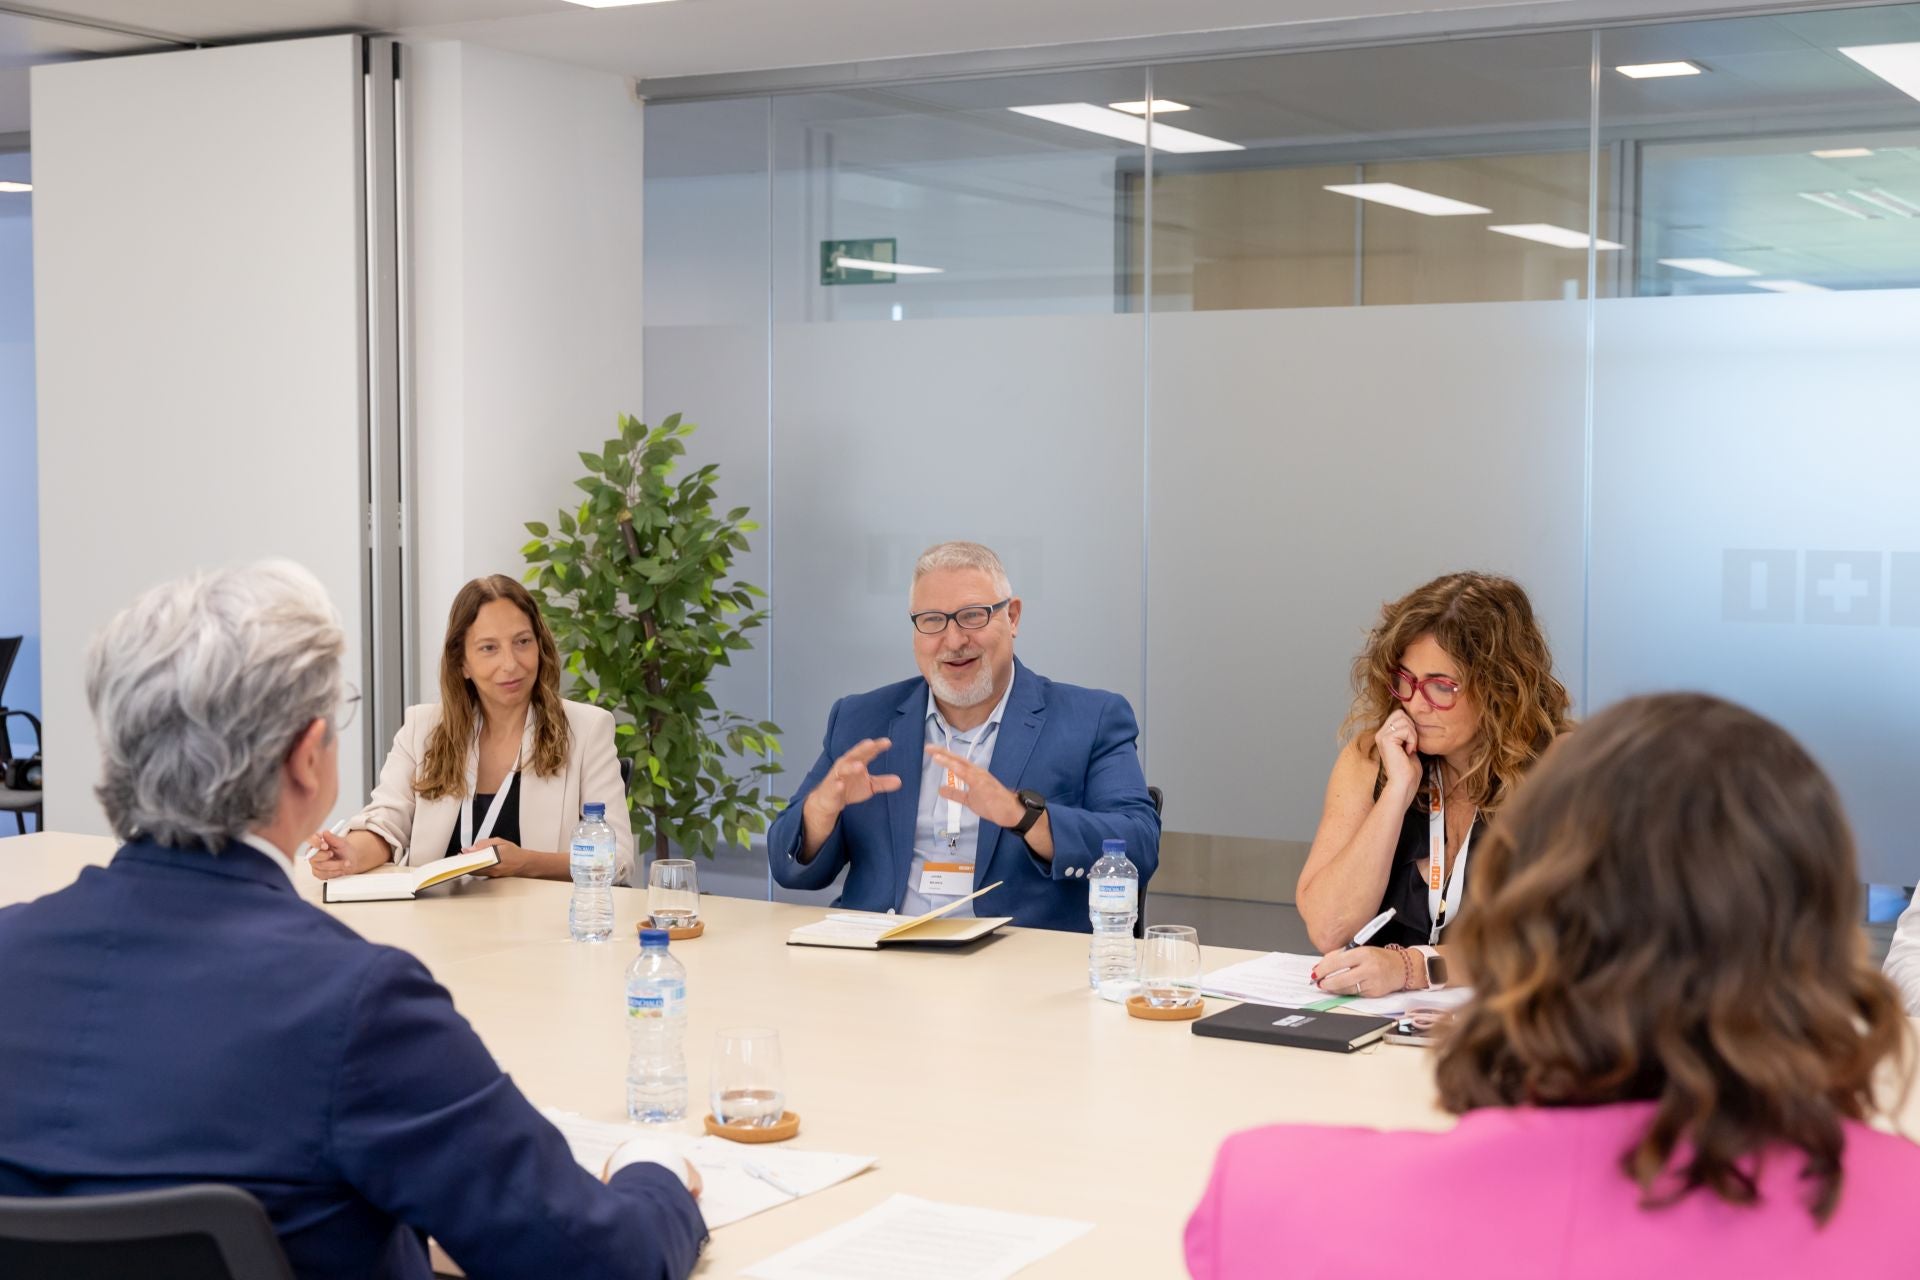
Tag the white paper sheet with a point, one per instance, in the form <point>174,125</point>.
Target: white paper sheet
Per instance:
<point>1286,981</point>
<point>907,1238</point>
<point>740,1180</point>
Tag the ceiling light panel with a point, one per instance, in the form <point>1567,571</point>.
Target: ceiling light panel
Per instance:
<point>1408,198</point>
<point>1897,64</point>
<point>1558,237</point>
<point>1659,70</point>
<point>1118,124</point>
<point>1161,107</point>
<point>1709,267</point>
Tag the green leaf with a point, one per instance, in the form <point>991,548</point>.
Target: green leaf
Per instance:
<point>537,529</point>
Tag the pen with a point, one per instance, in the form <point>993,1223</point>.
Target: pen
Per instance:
<point>307,850</point>
<point>757,1171</point>
<point>1370,928</point>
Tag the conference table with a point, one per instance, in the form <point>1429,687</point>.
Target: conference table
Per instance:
<point>988,1076</point>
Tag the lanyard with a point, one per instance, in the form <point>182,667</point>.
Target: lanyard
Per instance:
<point>1441,911</point>
<point>467,836</point>
<point>954,806</point>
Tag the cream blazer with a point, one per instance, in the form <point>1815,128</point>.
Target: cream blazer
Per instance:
<point>418,828</point>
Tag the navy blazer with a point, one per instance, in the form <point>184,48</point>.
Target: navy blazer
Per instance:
<point>181,1016</point>
<point>1074,746</point>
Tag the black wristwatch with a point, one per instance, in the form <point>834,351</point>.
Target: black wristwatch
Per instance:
<point>1036,805</point>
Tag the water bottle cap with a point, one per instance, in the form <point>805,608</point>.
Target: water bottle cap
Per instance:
<point>593,812</point>
<point>653,937</point>
<point>1113,846</point>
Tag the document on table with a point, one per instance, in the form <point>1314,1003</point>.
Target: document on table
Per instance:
<point>1286,981</point>
<point>740,1181</point>
<point>907,1238</point>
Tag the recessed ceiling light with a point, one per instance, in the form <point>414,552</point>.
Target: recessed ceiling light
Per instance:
<point>1897,64</point>
<point>892,268</point>
<point>1788,286</point>
<point>1829,200</point>
<point>1392,193</point>
<point>1843,153</point>
<point>1161,106</point>
<point>1657,70</point>
<point>1709,267</point>
<point>1558,237</point>
<point>16,186</point>
<point>612,4</point>
<point>1118,124</point>
<point>1898,206</point>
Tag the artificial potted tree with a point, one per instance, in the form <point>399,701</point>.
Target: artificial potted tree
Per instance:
<point>637,585</point>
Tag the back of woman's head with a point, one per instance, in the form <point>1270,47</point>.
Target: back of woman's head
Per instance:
<point>1669,912</point>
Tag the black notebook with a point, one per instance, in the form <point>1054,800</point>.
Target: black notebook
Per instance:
<point>1299,1028</point>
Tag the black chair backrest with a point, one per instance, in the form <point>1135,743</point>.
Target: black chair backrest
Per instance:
<point>9,650</point>
<point>199,1232</point>
<point>626,774</point>
<point>1159,799</point>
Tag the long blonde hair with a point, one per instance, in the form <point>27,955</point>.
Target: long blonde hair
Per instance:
<point>1486,624</point>
<point>443,768</point>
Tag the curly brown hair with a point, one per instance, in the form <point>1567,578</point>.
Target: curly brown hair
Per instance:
<point>1486,624</point>
<point>1669,913</point>
<point>443,766</point>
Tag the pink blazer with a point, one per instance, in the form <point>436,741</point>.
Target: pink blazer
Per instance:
<point>1530,1194</point>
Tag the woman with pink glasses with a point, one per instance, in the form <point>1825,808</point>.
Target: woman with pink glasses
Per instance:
<point>1454,700</point>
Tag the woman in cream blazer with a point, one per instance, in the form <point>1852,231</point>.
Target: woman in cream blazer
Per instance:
<point>510,767</point>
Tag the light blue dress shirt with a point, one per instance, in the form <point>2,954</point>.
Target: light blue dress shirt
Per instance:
<point>930,838</point>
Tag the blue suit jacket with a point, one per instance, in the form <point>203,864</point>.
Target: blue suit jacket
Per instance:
<point>180,1016</point>
<point>1074,746</point>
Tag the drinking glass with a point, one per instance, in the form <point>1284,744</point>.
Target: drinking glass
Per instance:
<point>749,1084</point>
<point>1170,966</point>
<point>673,894</point>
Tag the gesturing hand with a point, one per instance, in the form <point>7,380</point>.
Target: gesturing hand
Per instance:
<point>848,781</point>
<point>979,791</point>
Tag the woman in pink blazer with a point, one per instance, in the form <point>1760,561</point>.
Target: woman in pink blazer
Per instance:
<point>502,760</point>
<point>1668,1060</point>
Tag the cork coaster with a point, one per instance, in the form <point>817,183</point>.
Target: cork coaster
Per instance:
<point>1138,1007</point>
<point>676,935</point>
<point>789,1125</point>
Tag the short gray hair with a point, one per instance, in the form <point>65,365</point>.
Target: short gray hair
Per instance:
<point>963,555</point>
<point>198,690</point>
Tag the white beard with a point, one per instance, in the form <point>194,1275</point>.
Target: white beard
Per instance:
<point>971,694</point>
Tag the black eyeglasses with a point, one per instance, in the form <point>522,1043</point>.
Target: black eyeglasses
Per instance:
<point>975,616</point>
<point>349,703</point>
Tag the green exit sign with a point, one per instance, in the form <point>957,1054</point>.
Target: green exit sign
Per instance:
<point>844,261</point>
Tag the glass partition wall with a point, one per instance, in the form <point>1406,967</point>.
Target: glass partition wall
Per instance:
<point>1223,354</point>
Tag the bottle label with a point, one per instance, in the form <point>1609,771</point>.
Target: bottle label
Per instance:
<point>1115,895</point>
<point>666,1000</point>
<point>583,853</point>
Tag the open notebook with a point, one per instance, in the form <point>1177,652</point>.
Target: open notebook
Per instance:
<point>400,883</point>
<point>865,932</point>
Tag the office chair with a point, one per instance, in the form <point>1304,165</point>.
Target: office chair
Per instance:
<point>201,1232</point>
<point>17,802</point>
<point>626,775</point>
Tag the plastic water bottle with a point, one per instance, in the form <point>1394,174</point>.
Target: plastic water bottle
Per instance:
<point>656,1033</point>
<point>1113,902</point>
<point>590,859</point>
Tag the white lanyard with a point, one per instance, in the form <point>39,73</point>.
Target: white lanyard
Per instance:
<point>954,807</point>
<point>467,837</point>
<point>1441,912</point>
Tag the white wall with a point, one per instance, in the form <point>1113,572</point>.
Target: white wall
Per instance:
<point>197,278</point>
<point>525,227</point>
<point>19,505</point>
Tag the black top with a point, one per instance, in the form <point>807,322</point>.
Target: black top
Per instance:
<point>1407,881</point>
<point>505,827</point>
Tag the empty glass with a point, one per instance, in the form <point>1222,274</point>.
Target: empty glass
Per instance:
<point>749,1084</point>
<point>1170,966</point>
<point>673,894</point>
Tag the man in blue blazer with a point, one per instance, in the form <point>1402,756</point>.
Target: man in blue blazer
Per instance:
<point>181,1015</point>
<point>986,771</point>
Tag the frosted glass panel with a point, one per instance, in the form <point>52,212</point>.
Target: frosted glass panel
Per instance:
<point>1754,527</point>
<point>1310,465</point>
<point>1020,433</point>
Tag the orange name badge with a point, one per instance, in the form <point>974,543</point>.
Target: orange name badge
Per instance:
<point>946,879</point>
